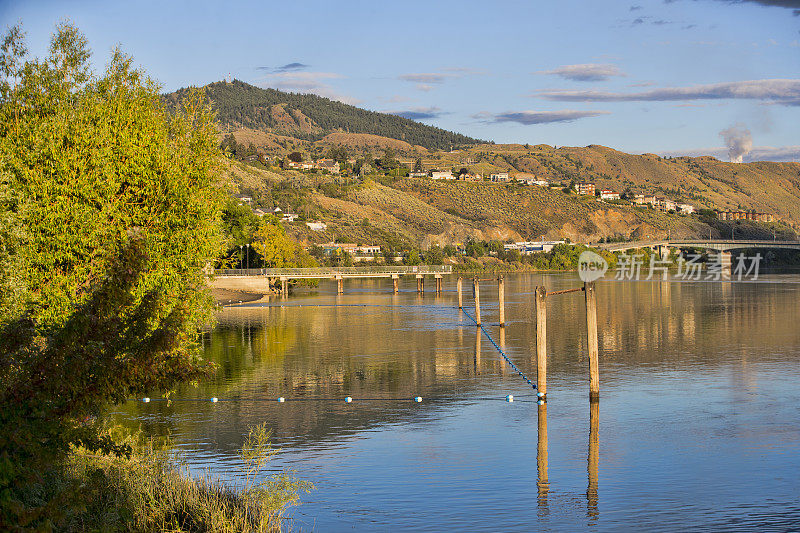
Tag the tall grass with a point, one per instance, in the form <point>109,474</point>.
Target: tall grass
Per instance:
<point>154,490</point>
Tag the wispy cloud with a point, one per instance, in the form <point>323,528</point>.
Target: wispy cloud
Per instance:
<point>781,91</point>
<point>529,118</point>
<point>289,67</point>
<point>794,5</point>
<point>420,113</point>
<point>586,72</point>
<point>426,81</point>
<point>308,82</point>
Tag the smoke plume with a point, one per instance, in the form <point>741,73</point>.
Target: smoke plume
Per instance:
<point>738,140</point>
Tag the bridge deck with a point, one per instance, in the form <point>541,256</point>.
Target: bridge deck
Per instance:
<point>710,244</point>
<point>335,272</point>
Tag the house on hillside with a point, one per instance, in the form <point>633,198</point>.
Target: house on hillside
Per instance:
<point>532,247</point>
<point>607,194</point>
<point>442,175</point>
<point>328,164</point>
<point>685,209</point>
<point>585,188</point>
<point>317,226</point>
<point>500,177</point>
<point>417,174</point>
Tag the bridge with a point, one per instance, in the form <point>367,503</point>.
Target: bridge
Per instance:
<point>719,245</point>
<point>260,279</point>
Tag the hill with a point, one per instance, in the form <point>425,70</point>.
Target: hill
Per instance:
<point>408,213</point>
<point>311,117</point>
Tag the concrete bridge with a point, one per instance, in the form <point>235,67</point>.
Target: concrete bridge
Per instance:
<point>261,279</point>
<point>719,245</point>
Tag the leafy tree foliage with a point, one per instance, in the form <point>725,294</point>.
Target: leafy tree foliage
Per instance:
<point>295,157</point>
<point>110,212</point>
<point>278,250</point>
<point>239,103</point>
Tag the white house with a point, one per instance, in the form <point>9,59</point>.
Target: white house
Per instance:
<point>685,209</point>
<point>317,226</point>
<point>442,175</point>
<point>500,177</point>
<point>607,194</point>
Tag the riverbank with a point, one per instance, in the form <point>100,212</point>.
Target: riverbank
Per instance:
<point>230,297</point>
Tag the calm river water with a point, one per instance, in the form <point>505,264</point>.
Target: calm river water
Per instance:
<point>697,428</point>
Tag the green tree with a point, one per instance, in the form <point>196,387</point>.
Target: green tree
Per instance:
<point>295,157</point>
<point>110,208</point>
<point>418,165</point>
<point>412,258</point>
<point>434,256</point>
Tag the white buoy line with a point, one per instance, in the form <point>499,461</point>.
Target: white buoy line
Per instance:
<point>347,399</point>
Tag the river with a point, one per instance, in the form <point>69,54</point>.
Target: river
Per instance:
<point>697,427</point>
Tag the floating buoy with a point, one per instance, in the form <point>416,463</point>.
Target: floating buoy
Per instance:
<point>146,400</point>
<point>540,402</point>
<point>540,394</point>
<point>348,399</point>
<point>418,399</point>
<point>281,399</point>
<point>510,398</point>
<point>214,399</point>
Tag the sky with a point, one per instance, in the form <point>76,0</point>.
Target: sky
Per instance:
<point>673,77</point>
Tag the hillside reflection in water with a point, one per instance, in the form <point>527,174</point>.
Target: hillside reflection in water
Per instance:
<point>699,405</point>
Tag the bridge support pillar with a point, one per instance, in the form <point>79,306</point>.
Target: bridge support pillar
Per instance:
<point>284,286</point>
<point>663,252</point>
<point>726,259</point>
<point>420,283</point>
<point>395,281</point>
<point>339,285</point>
<point>438,278</point>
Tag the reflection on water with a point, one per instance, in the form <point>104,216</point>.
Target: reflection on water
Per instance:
<point>699,386</point>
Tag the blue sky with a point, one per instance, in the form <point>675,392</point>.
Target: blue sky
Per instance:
<point>639,76</point>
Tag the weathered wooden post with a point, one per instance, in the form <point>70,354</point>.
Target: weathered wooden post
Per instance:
<point>339,285</point>
<point>501,298</point>
<point>541,340</point>
<point>593,460</point>
<point>476,292</point>
<point>591,340</point>
<point>503,349</point>
<point>438,278</point>
<point>420,283</point>
<point>477,360</point>
<point>458,288</point>
<point>395,278</point>
<point>284,286</point>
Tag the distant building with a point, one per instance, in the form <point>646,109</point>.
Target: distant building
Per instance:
<point>500,177</point>
<point>328,164</point>
<point>585,188</point>
<point>442,175</point>
<point>607,194</point>
<point>418,175</point>
<point>638,199</point>
<point>745,215</point>
<point>686,209</point>
<point>317,226</point>
<point>470,177</point>
<point>359,252</point>
<point>532,247</point>
<point>244,199</point>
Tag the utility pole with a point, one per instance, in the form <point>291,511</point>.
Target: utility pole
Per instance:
<point>248,255</point>
<point>241,255</point>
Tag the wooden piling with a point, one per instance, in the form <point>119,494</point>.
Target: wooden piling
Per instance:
<point>438,278</point>
<point>284,286</point>
<point>339,285</point>
<point>541,340</point>
<point>420,284</point>
<point>501,298</point>
<point>395,283</point>
<point>476,291</point>
<point>591,340</point>
<point>458,288</point>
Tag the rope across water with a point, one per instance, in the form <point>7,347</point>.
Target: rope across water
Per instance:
<point>500,351</point>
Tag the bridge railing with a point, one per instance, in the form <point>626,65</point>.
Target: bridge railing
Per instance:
<point>334,271</point>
